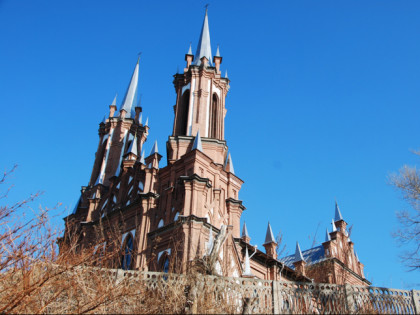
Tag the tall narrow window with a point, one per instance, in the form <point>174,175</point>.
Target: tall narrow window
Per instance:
<point>213,117</point>
<point>182,124</point>
<point>127,257</point>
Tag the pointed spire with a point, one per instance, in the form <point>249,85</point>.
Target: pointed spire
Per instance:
<point>203,47</point>
<point>338,216</point>
<point>140,118</point>
<point>357,257</point>
<point>114,102</point>
<point>130,98</point>
<point>217,52</point>
<point>197,142</point>
<point>104,119</point>
<point>229,165</point>
<point>133,147</point>
<point>269,236</point>
<point>247,265</point>
<point>226,76</point>
<point>327,236</point>
<point>142,161</point>
<point>333,226</point>
<point>298,253</point>
<point>147,122</point>
<point>244,231</point>
<point>189,50</point>
<point>154,149</point>
<point>349,240</point>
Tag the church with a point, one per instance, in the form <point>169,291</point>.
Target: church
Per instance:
<point>166,219</point>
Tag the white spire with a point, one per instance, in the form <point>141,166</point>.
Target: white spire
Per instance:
<point>298,253</point>
<point>217,52</point>
<point>210,243</point>
<point>133,147</point>
<point>189,50</point>
<point>203,47</point>
<point>229,165</point>
<point>147,122</point>
<point>357,257</point>
<point>226,76</point>
<point>327,236</point>
<point>269,236</point>
<point>142,161</point>
<point>247,265</point>
<point>114,102</point>
<point>244,231</point>
<point>197,142</point>
<point>155,148</point>
<point>338,216</point>
<point>130,98</point>
<point>334,228</point>
<point>140,118</point>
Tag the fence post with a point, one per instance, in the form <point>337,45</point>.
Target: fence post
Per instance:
<point>416,297</point>
<point>348,291</point>
<point>275,292</point>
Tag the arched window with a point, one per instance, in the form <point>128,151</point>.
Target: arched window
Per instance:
<point>127,256</point>
<point>213,117</point>
<point>183,109</point>
<point>166,265</point>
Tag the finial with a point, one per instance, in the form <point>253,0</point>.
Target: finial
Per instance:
<point>197,142</point>
<point>338,216</point>
<point>155,148</point>
<point>207,7</point>
<point>327,236</point>
<point>189,50</point>
<point>140,118</point>
<point>229,163</point>
<point>114,102</point>
<point>333,226</point>
<point>298,253</point>
<point>142,161</point>
<point>139,54</point>
<point>244,231</point>
<point>217,51</point>
<point>147,122</point>
<point>247,265</point>
<point>226,76</point>
<point>269,236</point>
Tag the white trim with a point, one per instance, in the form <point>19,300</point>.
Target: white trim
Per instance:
<point>208,110</point>
<point>191,109</point>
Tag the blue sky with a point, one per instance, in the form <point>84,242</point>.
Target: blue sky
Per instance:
<point>324,104</point>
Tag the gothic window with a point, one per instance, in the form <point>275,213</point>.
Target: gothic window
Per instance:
<point>166,265</point>
<point>127,256</point>
<point>213,117</point>
<point>183,109</point>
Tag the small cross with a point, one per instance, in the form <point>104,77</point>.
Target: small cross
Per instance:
<point>207,6</point>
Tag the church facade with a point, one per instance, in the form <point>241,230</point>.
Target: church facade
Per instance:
<point>171,217</point>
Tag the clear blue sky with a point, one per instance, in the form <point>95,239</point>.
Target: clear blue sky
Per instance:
<point>324,104</point>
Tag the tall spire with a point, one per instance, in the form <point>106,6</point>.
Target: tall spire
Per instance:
<point>204,47</point>
<point>338,216</point>
<point>269,236</point>
<point>130,98</point>
<point>197,142</point>
<point>298,253</point>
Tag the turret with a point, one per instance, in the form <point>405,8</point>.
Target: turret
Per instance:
<point>270,243</point>
<point>299,262</point>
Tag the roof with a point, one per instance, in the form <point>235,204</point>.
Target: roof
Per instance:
<point>311,256</point>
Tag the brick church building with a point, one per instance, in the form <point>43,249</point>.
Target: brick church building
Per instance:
<point>167,218</point>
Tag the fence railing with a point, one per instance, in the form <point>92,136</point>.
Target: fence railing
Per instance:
<point>266,296</point>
